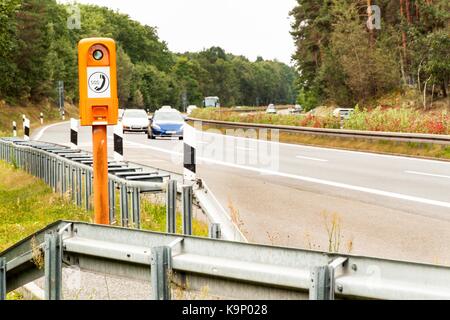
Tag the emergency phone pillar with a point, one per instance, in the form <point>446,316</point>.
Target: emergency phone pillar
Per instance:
<point>98,108</point>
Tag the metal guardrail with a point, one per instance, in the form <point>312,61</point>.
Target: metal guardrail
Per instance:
<point>69,171</point>
<point>227,269</point>
<point>393,136</point>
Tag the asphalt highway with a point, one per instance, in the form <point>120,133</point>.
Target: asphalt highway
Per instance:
<point>386,206</point>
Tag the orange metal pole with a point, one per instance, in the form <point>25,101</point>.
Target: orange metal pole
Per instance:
<point>100,150</point>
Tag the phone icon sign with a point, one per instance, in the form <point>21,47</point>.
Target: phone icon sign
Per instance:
<point>98,82</point>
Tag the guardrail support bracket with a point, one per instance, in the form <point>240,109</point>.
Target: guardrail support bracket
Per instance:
<point>160,272</point>
<point>187,210</point>
<point>171,204</point>
<point>53,266</point>
<point>2,279</point>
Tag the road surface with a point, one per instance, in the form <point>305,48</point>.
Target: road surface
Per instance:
<point>385,206</point>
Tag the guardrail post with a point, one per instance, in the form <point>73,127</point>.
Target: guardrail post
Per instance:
<point>215,231</point>
<point>320,288</point>
<point>84,191</point>
<point>171,207</point>
<point>79,187</point>
<point>187,210</point>
<point>72,182</point>
<point>160,272</point>
<point>2,279</point>
<point>136,205</point>
<point>124,205</point>
<point>64,178</point>
<point>53,266</point>
<point>112,202</point>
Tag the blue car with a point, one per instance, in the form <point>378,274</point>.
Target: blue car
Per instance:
<point>166,123</point>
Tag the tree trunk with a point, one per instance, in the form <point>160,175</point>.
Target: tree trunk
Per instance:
<point>369,13</point>
<point>418,76</point>
<point>417,12</point>
<point>432,96</point>
<point>408,11</point>
<point>402,15</point>
<point>425,94</point>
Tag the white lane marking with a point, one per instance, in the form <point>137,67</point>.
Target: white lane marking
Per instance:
<point>298,146</point>
<point>312,159</point>
<point>42,131</point>
<point>314,180</point>
<point>428,174</point>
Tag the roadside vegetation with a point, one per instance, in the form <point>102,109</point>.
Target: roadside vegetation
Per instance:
<point>9,113</point>
<point>154,218</point>
<point>37,49</point>
<point>27,205</point>
<point>379,119</point>
<point>344,59</point>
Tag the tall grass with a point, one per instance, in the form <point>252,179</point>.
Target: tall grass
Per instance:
<point>262,118</point>
<point>399,120</point>
<point>379,119</point>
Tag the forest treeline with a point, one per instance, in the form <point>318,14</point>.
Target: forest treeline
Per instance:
<point>342,60</point>
<point>37,49</point>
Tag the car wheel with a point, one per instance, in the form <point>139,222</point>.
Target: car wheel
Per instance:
<point>180,138</point>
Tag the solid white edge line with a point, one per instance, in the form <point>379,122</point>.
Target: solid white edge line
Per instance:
<point>312,159</point>
<point>42,130</point>
<point>428,174</point>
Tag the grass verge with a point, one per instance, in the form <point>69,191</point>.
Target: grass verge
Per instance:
<point>27,205</point>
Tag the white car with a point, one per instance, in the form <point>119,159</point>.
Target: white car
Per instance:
<point>135,120</point>
<point>297,109</point>
<point>271,109</point>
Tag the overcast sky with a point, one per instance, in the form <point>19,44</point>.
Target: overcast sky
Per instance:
<point>244,27</point>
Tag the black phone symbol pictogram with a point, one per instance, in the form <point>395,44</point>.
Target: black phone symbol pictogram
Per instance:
<point>103,78</point>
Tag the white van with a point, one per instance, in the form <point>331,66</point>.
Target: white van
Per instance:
<point>343,113</point>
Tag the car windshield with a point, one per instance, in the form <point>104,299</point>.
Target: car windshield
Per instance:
<point>168,116</point>
<point>135,114</point>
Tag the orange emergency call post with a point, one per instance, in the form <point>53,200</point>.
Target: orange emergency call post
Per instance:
<point>98,108</point>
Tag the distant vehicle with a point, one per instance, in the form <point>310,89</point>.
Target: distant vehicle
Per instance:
<point>190,109</point>
<point>135,120</point>
<point>211,102</point>
<point>297,109</point>
<point>343,113</point>
<point>166,123</point>
<point>271,109</point>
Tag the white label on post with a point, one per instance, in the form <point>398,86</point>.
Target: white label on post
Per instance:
<point>99,83</point>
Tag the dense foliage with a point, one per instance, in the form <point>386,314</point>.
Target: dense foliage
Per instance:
<point>342,60</point>
<point>37,48</point>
